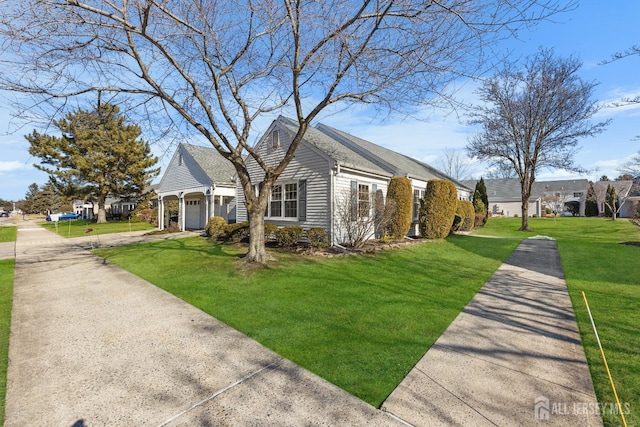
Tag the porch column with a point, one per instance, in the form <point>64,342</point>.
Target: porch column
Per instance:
<point>160,213</point>
<point>207,206</point>
<point>181,212</point>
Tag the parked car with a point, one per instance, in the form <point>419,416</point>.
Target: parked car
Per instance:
<point>64,216</point>
<point>5,214</point>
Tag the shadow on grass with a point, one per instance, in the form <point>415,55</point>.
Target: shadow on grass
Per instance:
<point>498,249</point>
<point>631,243</point>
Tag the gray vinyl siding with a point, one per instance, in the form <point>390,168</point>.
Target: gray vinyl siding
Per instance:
<point>308,165</point>
<point>178,177</point>
<point>342,185</point>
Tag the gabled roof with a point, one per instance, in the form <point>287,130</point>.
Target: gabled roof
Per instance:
<point>219,169</point>
<point>622,187</point>
<point>358,153</point>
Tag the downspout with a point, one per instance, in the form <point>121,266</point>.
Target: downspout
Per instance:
<point>332,185</point>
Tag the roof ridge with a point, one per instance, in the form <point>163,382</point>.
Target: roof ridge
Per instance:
<point>339,136</point>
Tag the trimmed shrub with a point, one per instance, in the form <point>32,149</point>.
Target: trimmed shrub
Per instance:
<point>438,209</point>
<point>289,235</point>
<point>317,238</point>
<point>465,214</point>
<point>400,204</point>
<point>269,231</point>
<point>478,220</point>
<point>236,232</point>
<point>215,227</point>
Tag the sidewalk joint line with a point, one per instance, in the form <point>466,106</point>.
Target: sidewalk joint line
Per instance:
<point>218,393</point>
<point>397,418</point>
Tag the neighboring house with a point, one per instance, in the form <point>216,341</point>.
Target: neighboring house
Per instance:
<point>505,196</point>
<point>622,189</point>
<point>201,182</point>
<point>566,192</point>
<point>329,165</point>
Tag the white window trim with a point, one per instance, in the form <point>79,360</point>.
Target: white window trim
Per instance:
<point>283,201</point>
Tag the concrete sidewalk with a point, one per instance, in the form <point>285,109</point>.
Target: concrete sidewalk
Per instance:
<point>513,356</point>
<point>94,345</point>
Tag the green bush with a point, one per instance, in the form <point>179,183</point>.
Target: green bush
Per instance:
<point>215,227</point>
<point>289,235</point>
<point>269,231</point>
<point>438,209</point>
<point>465,214</point>
<point>317,238</point>
<point>400,204</point>
<point>236,232</point>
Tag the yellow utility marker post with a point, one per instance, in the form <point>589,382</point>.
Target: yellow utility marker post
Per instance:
<point>613,387</point>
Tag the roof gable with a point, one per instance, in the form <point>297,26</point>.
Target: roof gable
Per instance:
<point>194,166</point>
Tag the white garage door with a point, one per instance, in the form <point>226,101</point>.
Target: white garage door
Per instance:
<point>192,214</point>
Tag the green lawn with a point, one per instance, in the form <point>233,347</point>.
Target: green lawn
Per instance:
<point>8,234</point>
<point>602,258</point>
<point>76,228</point>
<point>6,297</point>
<point>360,322</point>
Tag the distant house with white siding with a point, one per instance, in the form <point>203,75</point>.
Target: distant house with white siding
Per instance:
<point>328,164</point>
<point>202,183</point>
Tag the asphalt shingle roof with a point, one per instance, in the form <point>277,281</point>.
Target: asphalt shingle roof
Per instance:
<point>219,169</point>
<point>356,152</point>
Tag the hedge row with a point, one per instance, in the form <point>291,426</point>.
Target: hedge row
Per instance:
<point>217,228</point>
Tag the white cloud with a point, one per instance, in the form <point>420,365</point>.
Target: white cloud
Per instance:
<point>12,166</point>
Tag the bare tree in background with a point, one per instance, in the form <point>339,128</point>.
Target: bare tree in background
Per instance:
<point>455,163</point>
<point>215,67</point>
<point>534,118</point>
<point>632,166</point>
<point>556,200</point>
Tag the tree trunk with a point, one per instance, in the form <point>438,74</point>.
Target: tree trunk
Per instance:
<point>102,213</point>
<point>525,214</point>
<point>257,251</point>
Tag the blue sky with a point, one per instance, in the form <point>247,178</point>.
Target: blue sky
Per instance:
<point>593,32</point>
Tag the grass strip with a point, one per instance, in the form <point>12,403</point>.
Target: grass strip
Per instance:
<point>6,298</point>
<point>80,227</point>
<point>8,234</point>
<point>361,322</point>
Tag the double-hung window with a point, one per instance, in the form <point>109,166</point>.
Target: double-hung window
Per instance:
<point>360,200</point>
<point>291,200</point>
<point>288,201</point>
<point>275,204</point>
<point>417,196</point>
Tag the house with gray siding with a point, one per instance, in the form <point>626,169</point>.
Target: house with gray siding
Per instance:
<point>504,195</point>
<point>328,165</point>
<point>202,183</point>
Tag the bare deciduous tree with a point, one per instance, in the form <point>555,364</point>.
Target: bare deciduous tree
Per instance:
<point>360,216</point>
<point>632,166</point>
<point>556,200</point>
<point>215,67</point>
<point>612,195</point>
<point>455,163</point>
<point>534,118</point>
